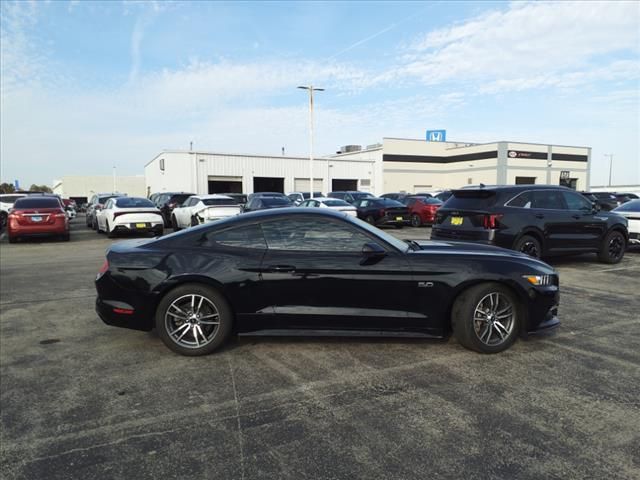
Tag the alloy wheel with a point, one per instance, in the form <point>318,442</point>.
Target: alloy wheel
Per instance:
<point>415,220</point>
<point>530,248</point>
<point>615,247</point>
<point>192,321</point>
<point>494,319</point>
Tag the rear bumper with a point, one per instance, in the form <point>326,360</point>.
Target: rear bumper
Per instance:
<point>634,238</point>
<point>119,307</point>
<point>16,230</point>
<point>155,227</point>
<point>406,220</point>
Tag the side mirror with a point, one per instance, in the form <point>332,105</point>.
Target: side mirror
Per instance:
<point>373,250</point>
<point>595,208</point>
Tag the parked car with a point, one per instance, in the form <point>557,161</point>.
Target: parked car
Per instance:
<point>299,197</point>
<point>6,203</point>
<point>96,203</point>
<point>332,203</point>
<point>606,201</point>
<point>168,201</point>
<point>539,220</point>
<point>265,194</point>
<point>199,209</point>
<point>265,202</point>
<point>127,215</point>
<point>283,271</point>
<point>350,196</point>
<point>383,211</point>
<point>631,211</point>
<point>422,209</point>
<point>240,198</point>
<point>39,216</point>
<point>396,196</point>
<point>444,196</point>
<point>625,197</point>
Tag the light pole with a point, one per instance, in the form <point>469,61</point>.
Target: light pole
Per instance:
<point>311,89</point>
<point>610,155</point>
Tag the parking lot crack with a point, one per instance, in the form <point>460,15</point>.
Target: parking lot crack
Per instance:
<point>237,404</point>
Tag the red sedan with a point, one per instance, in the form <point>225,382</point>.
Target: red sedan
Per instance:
<point>422,209</point>
<point>37,215</point>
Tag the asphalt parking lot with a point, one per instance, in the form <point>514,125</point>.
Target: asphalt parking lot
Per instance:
<point>83,400</point>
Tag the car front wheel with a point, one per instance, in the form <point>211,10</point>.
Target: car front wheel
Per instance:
<point>193,320</point>
<point>486,318</point>
<point>416,221</point>
<point>612,248</point>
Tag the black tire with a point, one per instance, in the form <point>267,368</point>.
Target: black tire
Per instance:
<point>66,237</point>
<point>216,334</point>
<point>399,225</point>
<point>174,224</point>
<point>471,328</point>
<point>3,220</point>
<point>370,220</point>
<point>416,221</point>
<point>529,245</point>
<point>13,239</point>
<point>612,247</point>
<point>194,221</point>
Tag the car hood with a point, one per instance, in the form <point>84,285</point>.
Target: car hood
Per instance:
<point>472,249</point>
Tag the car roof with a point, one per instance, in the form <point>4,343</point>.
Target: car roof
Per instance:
<point>211,196</point>
<point>514,188</point>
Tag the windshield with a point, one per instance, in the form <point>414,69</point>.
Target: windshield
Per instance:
<point>334,202</point>
<point>133,202</point>
<point>631,206</point>
<point>390,239</point>
<point>307,195</point>
<point>273,201</point>
<point>361,195</point>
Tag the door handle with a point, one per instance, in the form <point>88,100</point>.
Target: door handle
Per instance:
<point>281,268</point>
<point>539,215</point>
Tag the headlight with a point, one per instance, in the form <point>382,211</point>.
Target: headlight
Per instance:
<point>539,280</point>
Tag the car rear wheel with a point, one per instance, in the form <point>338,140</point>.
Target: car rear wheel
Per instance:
<point>174,223</point>
<point>13,239</point>
<point>486,318</point>
<point>66,237</point>
<point>194,221</point>
<point>110,233</point>
<point>370,220</point>
<point>193,320</point>
<point>416,221</point>
<point>612,248</point>
<point>3,220</point>
<point>529,245</point>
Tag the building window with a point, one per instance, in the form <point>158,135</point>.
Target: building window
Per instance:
<point>162,164</point>
<point>525,180</point>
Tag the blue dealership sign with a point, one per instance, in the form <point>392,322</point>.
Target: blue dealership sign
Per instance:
<point>436,135</point>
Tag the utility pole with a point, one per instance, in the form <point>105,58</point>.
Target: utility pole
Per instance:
<point>610,155</point>
<point>114,179</point>
<point>311,89</point>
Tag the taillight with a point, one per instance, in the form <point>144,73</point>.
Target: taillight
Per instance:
<point>103,268</point>
<point>491,221</point>
<point>60,215</point>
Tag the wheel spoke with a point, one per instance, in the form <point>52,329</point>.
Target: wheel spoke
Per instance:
<point>195,335</point>
<point>502,331</point>
<point>184,325</point>
<point>199,305</point>
<point>181,317</point>
<point>183,333</point>
<point>173,305</point>
<point>209,323</point>
<point>193,303</point>
<point>201,333</point>
<point>488,333</point>
<point>504,310</point>
<point>212,315</point>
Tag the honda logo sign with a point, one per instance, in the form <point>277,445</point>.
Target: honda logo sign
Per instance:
<point>436,135</point>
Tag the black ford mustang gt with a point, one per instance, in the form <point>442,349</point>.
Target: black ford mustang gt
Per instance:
<point>314,272</point>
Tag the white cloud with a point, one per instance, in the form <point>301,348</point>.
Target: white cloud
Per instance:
<point>526,40</point>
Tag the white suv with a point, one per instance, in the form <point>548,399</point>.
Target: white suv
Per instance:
<point>6,203</point>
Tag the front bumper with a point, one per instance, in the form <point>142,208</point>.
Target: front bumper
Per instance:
<point>543,310</point>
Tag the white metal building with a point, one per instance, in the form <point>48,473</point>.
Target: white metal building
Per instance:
<point>409,165</point>
<point>82,187</point>
<point>207,172</point>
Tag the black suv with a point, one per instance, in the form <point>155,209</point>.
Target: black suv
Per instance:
<point>539,220</point>
<point>605,200</point>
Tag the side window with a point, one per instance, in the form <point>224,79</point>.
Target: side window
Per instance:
<point>547,200</point>
<point>410,202</point>
<point>576,202</point>
<point>524,200</point>
<point>306,234</point>
<point>348,198</point>
<point>248,236</point>
<point>108,205</point>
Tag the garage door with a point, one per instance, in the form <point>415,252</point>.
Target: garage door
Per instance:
<point>302,184</point>
<point>268,184</point>
<point>225,184</point>
<point>341,184</point>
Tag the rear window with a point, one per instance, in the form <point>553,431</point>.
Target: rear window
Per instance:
<point>37,202</point>
<point>358,195</point>
<point>102,200</point>
<point>427,200</point>
<point>270,201</point>
<point>219,201</point>
<point>604,195</point>
<point>471,199</point>
<point>631,206</point>
<point>132,202</point>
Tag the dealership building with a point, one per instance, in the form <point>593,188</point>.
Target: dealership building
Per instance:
<point>395,165</point>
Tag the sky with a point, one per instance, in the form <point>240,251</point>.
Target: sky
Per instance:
<point>89,85</point>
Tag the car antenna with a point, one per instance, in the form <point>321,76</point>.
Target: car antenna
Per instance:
<point>482,185</point>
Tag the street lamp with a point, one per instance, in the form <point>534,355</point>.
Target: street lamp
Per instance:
<point>311,89</point>
<point>610,155</point>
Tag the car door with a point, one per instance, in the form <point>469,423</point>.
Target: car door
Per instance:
<point>551,214</point>
<point>101,215</point>
<point>316,275</point>
<point>183,214</point>
<point>587,229</point>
